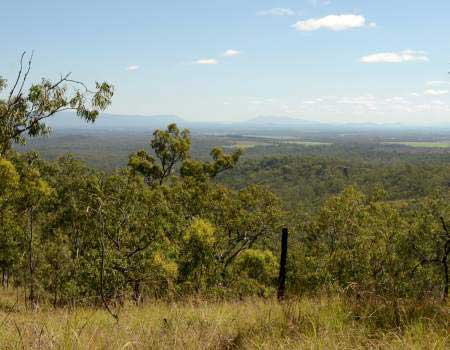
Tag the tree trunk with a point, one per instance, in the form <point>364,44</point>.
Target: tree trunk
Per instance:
<point>4,278</point>
<point>137,292</point>
<point>32,296</point>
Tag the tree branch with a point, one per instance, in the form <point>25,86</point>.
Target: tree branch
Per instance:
<point>18,77</point>
<point>26,74</point>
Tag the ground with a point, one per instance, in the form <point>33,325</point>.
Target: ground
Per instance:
<point>306,323</point>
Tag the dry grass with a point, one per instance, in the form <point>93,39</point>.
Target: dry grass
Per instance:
<point>309,323</point>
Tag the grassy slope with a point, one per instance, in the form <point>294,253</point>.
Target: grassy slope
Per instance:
<point>319,323</point>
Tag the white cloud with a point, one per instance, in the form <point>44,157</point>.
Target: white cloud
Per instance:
<point>396,57</point>
<point>132,67</point>
<point>432,92</point>
<point>207,61</point>
<point>231,53</point>
<point>362,108</point>
<point>395,99</point>
<point>438,82</point>
<point>313,101</point>
<point>332,22</point>
<point>315,3</point>
<point>367,101</point>
<point>277,11</point>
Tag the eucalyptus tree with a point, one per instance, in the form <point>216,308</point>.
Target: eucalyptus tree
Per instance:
<point>9,185</point>
<point>171,150</point>
<point>354,243</point>
<point>428,245</point>
<point>34,193</point>
<point>70,232</point>
<point>227,222</point>
<point>25,108</point>
<point>170,147</point>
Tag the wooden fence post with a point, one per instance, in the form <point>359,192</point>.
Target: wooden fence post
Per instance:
<point>282,275</point>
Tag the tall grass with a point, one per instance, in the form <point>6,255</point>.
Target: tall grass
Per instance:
<point>307,323</point>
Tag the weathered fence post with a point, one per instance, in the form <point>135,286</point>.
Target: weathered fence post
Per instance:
<point>282,275</point>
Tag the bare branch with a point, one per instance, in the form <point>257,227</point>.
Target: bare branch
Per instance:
<point>61,80</point>
<point>18,77</point>
<point>26,74</point>
<point>80,83</point>
<point>65,79</point>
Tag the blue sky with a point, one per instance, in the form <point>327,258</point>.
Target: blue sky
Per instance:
<point>338,60</point>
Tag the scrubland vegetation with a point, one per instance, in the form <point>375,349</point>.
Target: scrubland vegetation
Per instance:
<point>174,252</point>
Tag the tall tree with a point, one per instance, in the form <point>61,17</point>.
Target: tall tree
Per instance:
<point>172,147</point>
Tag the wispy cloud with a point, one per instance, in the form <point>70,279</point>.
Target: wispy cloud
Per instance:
<point>438,82</point>
<point>396,57</point>
<point>132,67</point>
<point>333,22</point>
<point>277,11</point>
<point>231,53</point>
<point>316,3</point>
<point>432,92</point>
<point>207,61</point>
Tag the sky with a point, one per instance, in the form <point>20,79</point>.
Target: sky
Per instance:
<point>380,61</point>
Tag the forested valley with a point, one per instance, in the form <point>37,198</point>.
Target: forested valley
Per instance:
<point>168,225</point>
<point>367,226</point>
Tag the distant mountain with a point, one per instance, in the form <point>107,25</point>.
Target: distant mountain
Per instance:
<point>114,121</point>
<point>279,120</point>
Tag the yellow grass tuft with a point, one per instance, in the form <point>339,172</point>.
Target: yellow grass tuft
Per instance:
<point>307,323</point>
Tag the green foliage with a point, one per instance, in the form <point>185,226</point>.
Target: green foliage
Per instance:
<point>260,265</point>
<point>171,148</point>
<point>9,226</point>
<point>222,162</point>
<point>71,234</point>
<point>305,181</point>
<point>197,255</point>
<point>75,235</point>
<point>24,113</point>
<point>429,244</point>
<point>367,246</point>
<point>354,238</point>
<point>168,225</point>
<point>9,180</point>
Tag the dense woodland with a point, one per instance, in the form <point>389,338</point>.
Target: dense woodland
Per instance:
<point>309,179</point>
<point>168,225</point>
